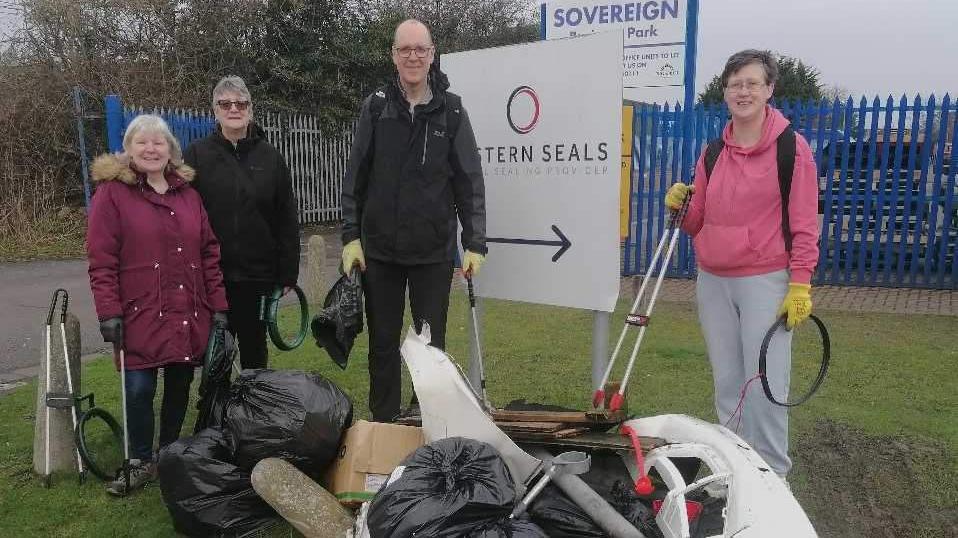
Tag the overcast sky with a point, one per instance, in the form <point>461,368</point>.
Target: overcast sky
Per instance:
<point>8,17</point>
<point>867,46</point>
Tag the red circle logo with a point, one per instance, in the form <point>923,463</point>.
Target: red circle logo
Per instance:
<point>522,110</point>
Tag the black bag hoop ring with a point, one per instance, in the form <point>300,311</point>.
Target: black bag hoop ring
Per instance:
<point>763,362</point>
<point>80,439</point>
<point>269,309</point>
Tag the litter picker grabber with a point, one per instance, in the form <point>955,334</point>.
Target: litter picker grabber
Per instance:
<point>58,400</point>
<point>671,235</point>
<point>126,422</point>
<point>483,396</point>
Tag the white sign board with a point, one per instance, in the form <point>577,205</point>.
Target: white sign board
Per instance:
<point>547,118</point>
<point>653,53</point>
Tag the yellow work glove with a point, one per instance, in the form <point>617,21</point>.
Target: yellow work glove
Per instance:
<point>471,263</point>
<point>676,195</point>
<point>353,254</point>
<point>797,304</point>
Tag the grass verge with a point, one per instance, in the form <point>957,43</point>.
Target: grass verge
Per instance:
<point>874,451</point>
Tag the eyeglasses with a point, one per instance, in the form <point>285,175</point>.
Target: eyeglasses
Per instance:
<point>226,105</point>
<point>751,85</point>
<point>406,52</point>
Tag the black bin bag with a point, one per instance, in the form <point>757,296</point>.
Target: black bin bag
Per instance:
<point>559,517</point>
<point>297,416</point>
<point>204,493</point>
<point>335,326</point>
<point>510,528</point>
<point>448,488</point>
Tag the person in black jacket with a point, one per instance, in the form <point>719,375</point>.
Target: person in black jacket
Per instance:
<point>413,169</point>
<point>246,188</point>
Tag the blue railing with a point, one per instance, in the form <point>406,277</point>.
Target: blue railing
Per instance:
<point>187,125</point>
<point>888,202</point>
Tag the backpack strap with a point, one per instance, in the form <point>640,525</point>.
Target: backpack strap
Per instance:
<point>712,152</point>
<point>453,110</point>
<point>785,157</point>
<point>453,114</point>
<point>377,105</point>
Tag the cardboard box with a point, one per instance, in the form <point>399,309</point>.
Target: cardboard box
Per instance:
<point>369,453</point>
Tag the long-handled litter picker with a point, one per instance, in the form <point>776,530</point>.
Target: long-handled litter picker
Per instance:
<point>126,423</point>
<point>484,397</point>
<point>59,400</point>
<point>634,319</point>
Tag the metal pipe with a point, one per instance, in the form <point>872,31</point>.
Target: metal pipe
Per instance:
<point>591,502</point>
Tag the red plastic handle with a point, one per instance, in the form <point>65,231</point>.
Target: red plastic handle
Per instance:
<point>616,402</point>
<point>643,486</point>
<point>598,398</point>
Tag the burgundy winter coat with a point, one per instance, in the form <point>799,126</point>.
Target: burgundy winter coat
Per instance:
<point>154,261</point>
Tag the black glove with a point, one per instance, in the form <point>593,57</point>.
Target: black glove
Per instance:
<point>220,320</point>
<point>112,330</point>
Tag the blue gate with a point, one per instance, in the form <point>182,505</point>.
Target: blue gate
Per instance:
<point>888,202</point>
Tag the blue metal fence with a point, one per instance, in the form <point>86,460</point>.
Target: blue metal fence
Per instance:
<point>888,202</point>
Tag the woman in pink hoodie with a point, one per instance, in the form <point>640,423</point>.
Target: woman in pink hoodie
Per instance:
<point>747,276</point>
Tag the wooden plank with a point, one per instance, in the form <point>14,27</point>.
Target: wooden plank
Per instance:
<point>569,417</point>
<point>531,426</point>
<point>576,437</point>
<point>545,436</point>
<point>594,440</point>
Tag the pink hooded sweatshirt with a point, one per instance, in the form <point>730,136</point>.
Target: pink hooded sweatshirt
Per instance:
<point>736,221</point>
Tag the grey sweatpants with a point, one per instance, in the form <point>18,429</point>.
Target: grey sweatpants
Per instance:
<point>735,313</point>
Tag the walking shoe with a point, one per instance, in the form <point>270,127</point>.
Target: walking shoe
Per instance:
<point>141,473</point>
<point>411,411</point>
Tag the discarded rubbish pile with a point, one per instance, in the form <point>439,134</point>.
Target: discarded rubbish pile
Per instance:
<point>205,479</point>
<point>460,474</point>
<point>685,477</point>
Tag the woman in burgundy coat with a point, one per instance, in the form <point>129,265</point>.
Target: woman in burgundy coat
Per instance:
<point>156,281</point>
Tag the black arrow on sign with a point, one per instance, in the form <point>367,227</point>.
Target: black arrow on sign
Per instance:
<point>563,242</point>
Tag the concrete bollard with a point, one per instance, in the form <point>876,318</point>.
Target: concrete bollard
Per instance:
<point>314,511</point>
<point>315,263</point>
<point>62,447</point>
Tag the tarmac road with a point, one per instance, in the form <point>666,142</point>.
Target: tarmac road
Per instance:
<point>27,288</point>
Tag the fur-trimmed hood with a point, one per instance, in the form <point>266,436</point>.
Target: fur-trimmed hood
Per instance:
<point>117,167</point>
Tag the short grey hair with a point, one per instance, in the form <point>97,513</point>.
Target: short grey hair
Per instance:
<point>742,58</point>
<point>411,22</point>
<point>234,84</point>
<point>153,124</point>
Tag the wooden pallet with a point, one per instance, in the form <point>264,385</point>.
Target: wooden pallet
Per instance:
<point>566,428</point>
<point>567,435</point>
<point>592,440</point>
<point>592,418</point>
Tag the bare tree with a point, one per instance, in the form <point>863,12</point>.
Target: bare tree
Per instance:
<point>320,56</point>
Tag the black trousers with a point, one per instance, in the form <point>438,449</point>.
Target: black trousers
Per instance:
<point>384,287</point>
<point>249,330</point>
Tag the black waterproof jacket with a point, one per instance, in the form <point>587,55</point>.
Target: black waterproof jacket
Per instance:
<point>410,177</point>
<point>248,195</point>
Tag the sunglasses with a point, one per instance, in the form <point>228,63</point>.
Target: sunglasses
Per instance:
<point>226,105</point>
